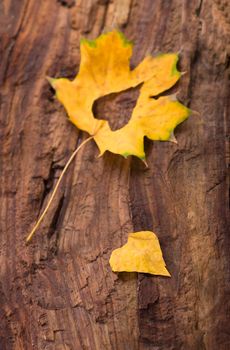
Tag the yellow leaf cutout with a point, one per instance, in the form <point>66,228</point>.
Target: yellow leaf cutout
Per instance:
<point>105,69</point>
<point>142,253</point>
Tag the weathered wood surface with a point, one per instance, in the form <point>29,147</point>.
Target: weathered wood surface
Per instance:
<point>59,292</point>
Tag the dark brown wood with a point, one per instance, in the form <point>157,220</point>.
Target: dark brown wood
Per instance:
<point>59,292</point>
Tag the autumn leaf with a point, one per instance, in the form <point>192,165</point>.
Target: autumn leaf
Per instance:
<point>105,69</point>
<point>142,253</point>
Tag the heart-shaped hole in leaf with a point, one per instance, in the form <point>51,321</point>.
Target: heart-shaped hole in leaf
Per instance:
<point>116,108</point>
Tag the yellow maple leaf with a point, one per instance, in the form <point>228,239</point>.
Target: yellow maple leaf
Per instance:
<point>142,253</point>
<point>105,69</point>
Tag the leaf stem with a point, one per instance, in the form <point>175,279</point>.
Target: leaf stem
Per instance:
<point>56,187</point>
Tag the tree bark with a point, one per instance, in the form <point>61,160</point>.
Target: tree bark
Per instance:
<point>59,292</point>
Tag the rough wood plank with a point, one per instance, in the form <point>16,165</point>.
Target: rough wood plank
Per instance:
<point>59,292</point>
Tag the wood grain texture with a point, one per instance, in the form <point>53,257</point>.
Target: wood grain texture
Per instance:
<point>59,292</point>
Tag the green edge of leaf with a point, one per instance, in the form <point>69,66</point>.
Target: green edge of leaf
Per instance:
<point>127,154</point>
<point>91,43</point>
<point>174,67</point>
<point>125,41</point>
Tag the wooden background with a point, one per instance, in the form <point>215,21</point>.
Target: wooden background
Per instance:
<point>59,292</point>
